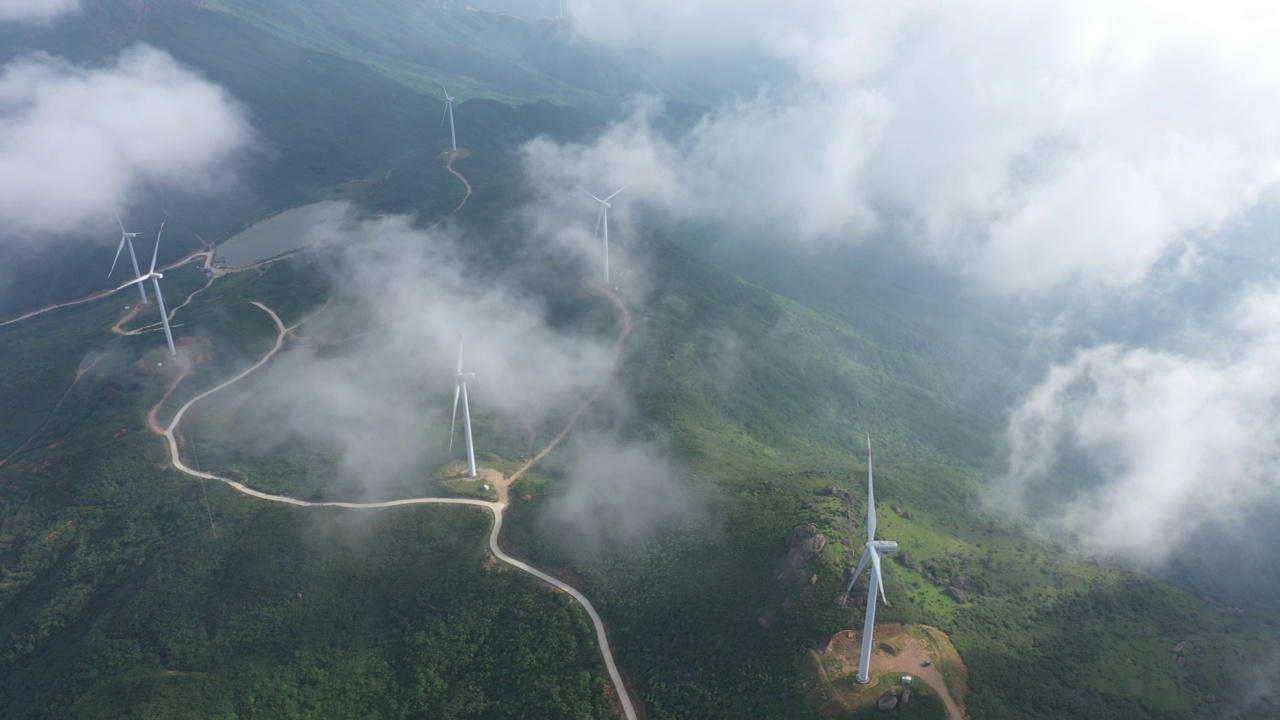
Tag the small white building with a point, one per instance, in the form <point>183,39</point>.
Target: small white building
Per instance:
<point>907,679</point>
<point>485,486</point>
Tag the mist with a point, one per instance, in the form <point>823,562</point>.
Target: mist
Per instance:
<point>1172,439</point>
<point>80,144</point>
<point>381,382</point>
<point>615,491</point>
<point>1100,163</point>
<point>35,11</point>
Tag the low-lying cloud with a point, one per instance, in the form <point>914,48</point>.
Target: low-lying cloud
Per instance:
<point>79,144</point>
<point>1170,441</point>
<point>405,299</point>
<point>1026,145</point>
<point>35,11</point>
<point>616,491</point>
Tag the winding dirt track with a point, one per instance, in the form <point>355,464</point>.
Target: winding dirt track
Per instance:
<point>496,509</point>
<point>465,183</point>
<point>627,326</point>
<point>282,333</point>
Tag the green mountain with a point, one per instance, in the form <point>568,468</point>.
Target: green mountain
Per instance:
<point>130,590</point>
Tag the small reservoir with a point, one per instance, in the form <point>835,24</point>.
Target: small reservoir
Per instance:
<point>294,229</point>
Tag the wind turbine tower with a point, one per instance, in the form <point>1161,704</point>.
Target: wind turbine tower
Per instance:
<point>873,549</point>
<point>126,238</point>
<point>154,277</point>
<point>602,220</point>
<point>448,112</point>
<point>460,390</point>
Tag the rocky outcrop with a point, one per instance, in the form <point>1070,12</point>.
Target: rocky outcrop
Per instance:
<point>957,594</point>
<point>837,492</point>
<point>887,702</point>
<point>806,543</point>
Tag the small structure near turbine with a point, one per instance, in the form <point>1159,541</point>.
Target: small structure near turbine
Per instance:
<point>126,238</point>
<point>154,277</point>
<point>460,390</point>
<point>602,221</point>
<point>871,554</point>
<point>448,112</point>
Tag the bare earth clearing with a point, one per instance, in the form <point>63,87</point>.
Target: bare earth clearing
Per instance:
<point>912,646</point>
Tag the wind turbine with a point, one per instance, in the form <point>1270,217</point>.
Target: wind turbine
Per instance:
<point>603,220</point>
<point>126,238</point>
<point>154,277</point>
<point>871,554</point>
<point>448,111</point>
<point>460,389</point>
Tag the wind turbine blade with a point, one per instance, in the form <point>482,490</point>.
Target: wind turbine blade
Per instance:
<point>134,281</point>
<point>155,253</point>
<point>121,222</point>
<point>624,187</point>
<point>862,565</point>
<point>593,197</point>
<point>444,114</point>
<point>599,219</point>
<point>871,496</point>
<point>460,344</point>
<point>445,89</point>
<point>120,249</point>
<point>875,567</point>
<point>457,390</point>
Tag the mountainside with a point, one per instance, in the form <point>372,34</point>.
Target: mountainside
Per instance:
<point>128,589</point>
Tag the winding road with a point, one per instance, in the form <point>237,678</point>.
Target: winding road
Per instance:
<point>170,435</point>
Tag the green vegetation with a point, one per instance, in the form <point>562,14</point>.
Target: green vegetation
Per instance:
<point>118,600</point>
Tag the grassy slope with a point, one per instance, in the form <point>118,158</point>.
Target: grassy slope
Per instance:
<point>1045,634</point>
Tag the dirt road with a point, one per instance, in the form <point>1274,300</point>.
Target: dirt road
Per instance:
<point>495,508</point>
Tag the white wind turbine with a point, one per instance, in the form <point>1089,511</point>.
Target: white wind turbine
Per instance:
<point>448,112</point>
<point>602,220</point>
<point>460,390</point>
<point>126,238</point>
<point>872,553</point>
<point>154,277</point>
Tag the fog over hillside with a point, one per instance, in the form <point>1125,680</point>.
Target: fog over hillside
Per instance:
<point>1096,161</point>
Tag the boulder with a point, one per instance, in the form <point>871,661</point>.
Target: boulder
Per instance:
<point>887,702</point>
<point>957,594</point>
<point>837,492</point>
<point>906,695</point>
<point>806,550</point>
<point>801,532</point>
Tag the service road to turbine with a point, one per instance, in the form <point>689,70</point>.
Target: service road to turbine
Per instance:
<point>169,434</point>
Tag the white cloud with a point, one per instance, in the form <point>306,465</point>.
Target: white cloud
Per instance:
<point>1027,144</point>
<point>405,300</point>
<point>35,10</point>
<point>1174,440</point>
<point>77,143</point>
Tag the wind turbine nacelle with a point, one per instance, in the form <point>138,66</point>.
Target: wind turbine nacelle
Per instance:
<point>885,546</point>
